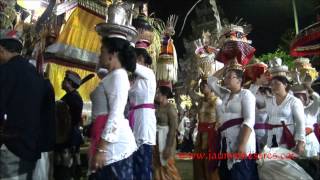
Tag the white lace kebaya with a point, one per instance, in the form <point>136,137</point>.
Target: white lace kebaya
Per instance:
<point>291,111</point>
<point>241,105</point>
<point>117,132</point>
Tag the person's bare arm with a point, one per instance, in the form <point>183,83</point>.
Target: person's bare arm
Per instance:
<point>172,122</point>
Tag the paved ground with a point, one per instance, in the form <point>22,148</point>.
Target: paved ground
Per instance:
<point>185,169</point>
<point>184,166</point>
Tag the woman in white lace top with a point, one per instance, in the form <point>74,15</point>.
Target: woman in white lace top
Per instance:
<point>112,159</point>
<point>285,117</point>
<point>236,119</point>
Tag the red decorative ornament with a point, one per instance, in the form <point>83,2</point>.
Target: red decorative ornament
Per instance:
<point>241,50</point>
<point>307,42</point>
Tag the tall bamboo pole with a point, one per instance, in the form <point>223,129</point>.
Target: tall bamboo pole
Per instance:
<point>296,23</point>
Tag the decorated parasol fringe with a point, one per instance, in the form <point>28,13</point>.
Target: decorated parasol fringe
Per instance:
<point>167,65</point>
<point>175,65</point>
<point>166,71</point>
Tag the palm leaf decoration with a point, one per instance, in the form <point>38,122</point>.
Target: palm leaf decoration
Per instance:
<point>154,49</point>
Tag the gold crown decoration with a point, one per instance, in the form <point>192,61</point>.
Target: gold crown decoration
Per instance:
<point>234,65</point>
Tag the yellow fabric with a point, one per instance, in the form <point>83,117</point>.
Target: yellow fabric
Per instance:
<point>79,31</point>
<point>56,76</point>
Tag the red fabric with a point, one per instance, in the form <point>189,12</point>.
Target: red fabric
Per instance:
<point>12,34</point>
<point>230,123</point>
<point>287,137</point>
<point>96,132</point>
<point>165,83</point>
<point>213,141</point>
<point>241,50</point>
<point>254,71</point>
<point>266,126</point>
<point>143,44</point>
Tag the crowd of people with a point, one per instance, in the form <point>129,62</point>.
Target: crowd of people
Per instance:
<point>230,118</point>
<point>239,119</point>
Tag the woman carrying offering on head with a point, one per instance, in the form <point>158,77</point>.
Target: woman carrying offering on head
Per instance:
<point>112,158</point>
<point>236,119</point>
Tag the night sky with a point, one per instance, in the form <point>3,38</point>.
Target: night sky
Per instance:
<point>269,18</point>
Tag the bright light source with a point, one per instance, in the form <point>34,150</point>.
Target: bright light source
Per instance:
<point>36,7</point>
<point>30,5</point>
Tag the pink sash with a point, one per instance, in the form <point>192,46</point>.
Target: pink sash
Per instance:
<point>133,109</point>
<point>286,138</point>
<point>230,123</point>
<point>96,131</point>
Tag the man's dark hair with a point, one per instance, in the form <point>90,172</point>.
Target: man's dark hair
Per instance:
<point>166,91</point>
<point>11,45</point>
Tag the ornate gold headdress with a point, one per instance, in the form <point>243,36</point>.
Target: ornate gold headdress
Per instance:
<point>235,67</point>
